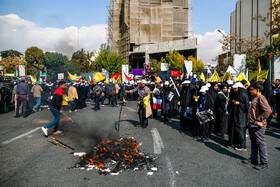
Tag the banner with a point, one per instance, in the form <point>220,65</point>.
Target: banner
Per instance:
<point>239,62</point>
<point>188,66</point>
<point>164,66</point>
<point>21,69</point>
<point>137,71</point>
<point>124,71</point>
<point>276,67</point>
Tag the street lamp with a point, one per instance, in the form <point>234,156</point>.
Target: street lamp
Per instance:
<point>223,36</point>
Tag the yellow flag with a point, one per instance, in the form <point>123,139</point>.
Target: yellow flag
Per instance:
<point>215,77</point>
<point>263,75</point>
<point>202,77</point>
<point>259,66</point>
<point>98,77</point>
<point>229,76</point>
<point>146,100</point>
<point>241,77</point>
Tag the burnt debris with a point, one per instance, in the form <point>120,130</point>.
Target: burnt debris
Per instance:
<point>113,156</point>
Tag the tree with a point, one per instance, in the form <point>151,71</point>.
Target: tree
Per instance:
<point>82,61</point>
<point>174,59</point>
<point>10,58</point>
<point>9,64</point>
<point>35,58</point>
<point>275,46</point>
<point>197,64</point>
<point>10,53</point>
<point>155,65</point>
<point>109,60</point>
<point>56,63</point>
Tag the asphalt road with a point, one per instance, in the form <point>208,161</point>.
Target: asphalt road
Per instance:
<point>28,159</point>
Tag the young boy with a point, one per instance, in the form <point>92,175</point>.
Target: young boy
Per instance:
<point>55,108</point>
<point>259,111</point>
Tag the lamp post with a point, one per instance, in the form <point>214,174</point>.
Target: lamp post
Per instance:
<point>224,36</point>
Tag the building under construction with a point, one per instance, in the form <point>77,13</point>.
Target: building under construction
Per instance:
<point>143,29</point>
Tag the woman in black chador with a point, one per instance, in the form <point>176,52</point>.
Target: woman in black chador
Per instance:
<point>238,117</point>
<point>185,101</point>
<point>222,115</point>
<point>165,101</point>
<point>211,99</point>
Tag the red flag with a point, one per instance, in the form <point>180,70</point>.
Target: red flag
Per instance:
<point>115,76</point>
<point>127,77</point>
<point>176,73</point>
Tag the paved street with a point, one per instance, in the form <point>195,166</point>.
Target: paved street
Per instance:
<point>28,159</point>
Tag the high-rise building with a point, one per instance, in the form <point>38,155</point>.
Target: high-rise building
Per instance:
<point>133,23</point>
<point>251,19</point>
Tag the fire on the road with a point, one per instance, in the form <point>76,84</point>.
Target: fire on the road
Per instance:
<point>114,156</point>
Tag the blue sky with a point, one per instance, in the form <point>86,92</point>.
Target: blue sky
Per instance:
<point>207,14</point>
<point>68,25</point>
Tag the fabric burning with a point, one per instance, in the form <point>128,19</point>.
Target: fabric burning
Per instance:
<point>113,156</point>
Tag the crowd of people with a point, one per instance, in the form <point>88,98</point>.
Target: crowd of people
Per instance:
<point>221,108</point>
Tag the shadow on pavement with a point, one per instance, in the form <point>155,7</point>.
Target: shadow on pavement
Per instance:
<point>133,122</point>
<point>223,151</point>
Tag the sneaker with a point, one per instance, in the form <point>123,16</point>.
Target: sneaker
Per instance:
<point>57,133</point>
<point>102,105</point>
<point>197,138</point>
<point>240,149</point>
<point>70,111</point>
<point>261,167</point>
<point>45,131</point>
<point>204,139</point>
<point>76,110</point>
<point>17,116</point>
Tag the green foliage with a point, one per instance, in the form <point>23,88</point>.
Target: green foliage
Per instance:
<point>35,58</point>
<point>109,60</point>
<point>275,46</point>
<point>174,59</point>
<point>82,62</point>
<point>155,65</point>
<point>197,64</point>
<point>56,63</point>
<point>251,63</point>
<point>10,53</point>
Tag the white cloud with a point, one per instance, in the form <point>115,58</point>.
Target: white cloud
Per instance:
<point>209,47</point>
<point>19,34</point>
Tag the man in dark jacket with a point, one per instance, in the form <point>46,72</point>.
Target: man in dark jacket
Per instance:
<point>22,97</point>
<point>55,108</point>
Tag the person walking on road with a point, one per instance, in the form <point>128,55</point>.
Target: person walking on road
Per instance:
<point>144,112</point>
<point>22,97</point>
<point>72,97</point>
<point>36,90</point>
<point>258,113</point>
<point>55,108</point>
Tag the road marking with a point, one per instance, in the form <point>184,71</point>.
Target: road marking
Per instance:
<point>130,109</point>
<point>171,172</point>
<point>18,137</point>
<point>158,144</point>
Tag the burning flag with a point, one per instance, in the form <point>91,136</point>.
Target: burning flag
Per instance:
<point>114,156</point>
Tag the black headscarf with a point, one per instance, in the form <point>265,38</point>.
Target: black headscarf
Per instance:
<point>268,92</point>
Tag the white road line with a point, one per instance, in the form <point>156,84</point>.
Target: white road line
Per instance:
<point>18,137</point>
<point>158,144</point>
<point>171,172</point>
<point>130,109</point>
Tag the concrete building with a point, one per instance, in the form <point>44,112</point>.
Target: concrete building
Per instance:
<point>135,26</point>
<point>244,22</point>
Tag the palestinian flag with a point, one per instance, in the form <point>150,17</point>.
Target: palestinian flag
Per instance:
<point>41,76</point>
<point>16,71</point>
<point>90,81</point>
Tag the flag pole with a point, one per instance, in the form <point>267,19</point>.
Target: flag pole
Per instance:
<point>175,86</point>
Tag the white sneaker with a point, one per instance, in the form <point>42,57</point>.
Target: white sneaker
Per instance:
<point>57,133</point>
<point>70,111</point>
<point>76,110</point>
<point>45,131</point>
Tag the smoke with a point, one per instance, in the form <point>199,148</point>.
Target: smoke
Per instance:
<point>19,34</point>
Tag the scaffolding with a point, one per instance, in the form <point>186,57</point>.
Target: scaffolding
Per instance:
<point>137,22</point>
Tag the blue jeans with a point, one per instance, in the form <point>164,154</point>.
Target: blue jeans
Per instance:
<point>38,103</point>
<point>56,119</point>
